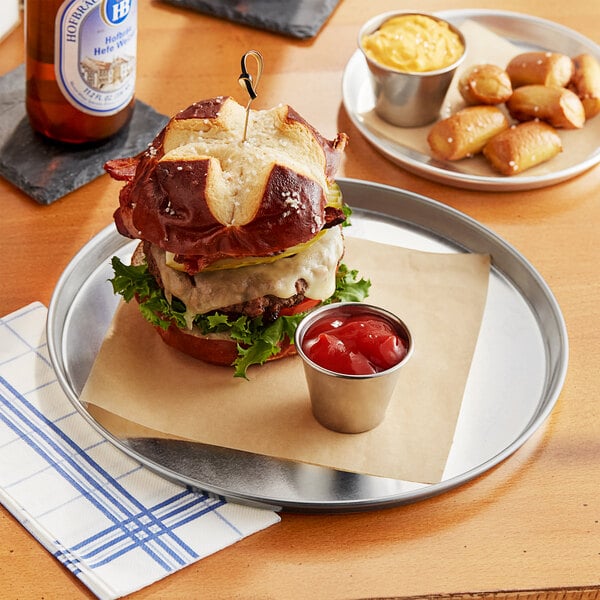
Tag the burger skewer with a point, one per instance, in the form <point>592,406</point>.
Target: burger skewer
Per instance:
<point>249,84</point>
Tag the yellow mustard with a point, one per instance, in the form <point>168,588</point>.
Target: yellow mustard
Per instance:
<point>413,43</point>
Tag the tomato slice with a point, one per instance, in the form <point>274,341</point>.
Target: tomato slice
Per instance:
<point>303,306</point>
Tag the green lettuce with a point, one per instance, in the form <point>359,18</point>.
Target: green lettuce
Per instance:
<point>257,341</point>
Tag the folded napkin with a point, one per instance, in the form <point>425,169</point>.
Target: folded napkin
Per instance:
<point>114,524</point>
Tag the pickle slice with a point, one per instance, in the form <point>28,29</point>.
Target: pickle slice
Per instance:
<point>334,195</point>
<point>247,261</point>
<point>334,198</point>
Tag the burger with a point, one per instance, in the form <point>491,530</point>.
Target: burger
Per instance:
<point>240,227</point>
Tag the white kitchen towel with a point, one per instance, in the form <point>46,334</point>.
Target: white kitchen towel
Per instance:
<point>113,523</point>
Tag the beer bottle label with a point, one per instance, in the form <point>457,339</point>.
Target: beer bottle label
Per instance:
<point>95,54</point>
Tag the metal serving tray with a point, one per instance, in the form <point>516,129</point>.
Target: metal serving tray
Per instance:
<point>517,373</point>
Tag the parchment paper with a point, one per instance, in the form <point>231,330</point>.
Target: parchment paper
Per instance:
<point>441,297</point>
<point>484,46</point>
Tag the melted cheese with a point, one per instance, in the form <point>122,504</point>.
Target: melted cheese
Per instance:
<point>211,290</point>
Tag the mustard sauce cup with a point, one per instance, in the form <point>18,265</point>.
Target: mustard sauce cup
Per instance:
<point>408,98</point>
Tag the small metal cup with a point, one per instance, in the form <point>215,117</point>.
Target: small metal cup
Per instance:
<point>405,98</point>
<point>350,403</point>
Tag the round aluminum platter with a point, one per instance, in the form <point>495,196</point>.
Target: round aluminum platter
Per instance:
<point>526,32</point>
<point>517,373</point>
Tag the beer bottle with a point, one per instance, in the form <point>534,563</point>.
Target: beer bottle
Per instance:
<point>80,67</point>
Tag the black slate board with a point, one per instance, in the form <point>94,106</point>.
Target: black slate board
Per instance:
<point>46,171</point>
<point>295,18</point>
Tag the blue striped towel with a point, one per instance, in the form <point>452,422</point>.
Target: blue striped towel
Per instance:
<point>113,523</point>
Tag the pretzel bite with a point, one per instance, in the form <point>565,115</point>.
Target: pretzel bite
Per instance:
<point>466,132</point>
<point>586,83</point>
<point>559,106</point>
<point>485,84</point>
<point>544,68</point>
<point>522,146</point>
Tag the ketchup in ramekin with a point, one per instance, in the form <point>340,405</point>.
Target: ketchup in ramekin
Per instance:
<point>352,353</point>
<point>354,344</point>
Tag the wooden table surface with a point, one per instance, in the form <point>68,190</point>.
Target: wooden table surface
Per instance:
<point>530,526</point>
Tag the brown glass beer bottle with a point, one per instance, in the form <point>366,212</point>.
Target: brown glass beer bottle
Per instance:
<point>81,58</point>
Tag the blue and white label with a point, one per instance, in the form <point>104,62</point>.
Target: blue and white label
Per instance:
<point>95,46</point>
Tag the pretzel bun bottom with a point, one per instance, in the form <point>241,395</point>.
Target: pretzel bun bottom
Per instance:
<point>209,349</point>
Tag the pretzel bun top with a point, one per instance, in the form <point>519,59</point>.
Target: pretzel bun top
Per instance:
<point>203,193</point>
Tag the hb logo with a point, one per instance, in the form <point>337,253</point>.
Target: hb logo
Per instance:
<point>115,11</point>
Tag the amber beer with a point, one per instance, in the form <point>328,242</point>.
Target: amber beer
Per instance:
<point>81,58</point>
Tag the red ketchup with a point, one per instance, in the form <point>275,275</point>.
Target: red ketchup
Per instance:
<point>360,344</point>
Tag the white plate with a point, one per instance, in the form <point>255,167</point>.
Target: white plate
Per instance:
<point>581,147</point>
